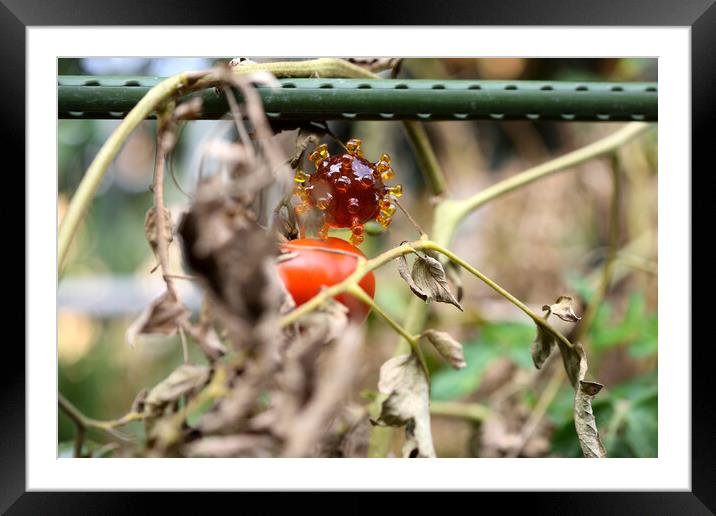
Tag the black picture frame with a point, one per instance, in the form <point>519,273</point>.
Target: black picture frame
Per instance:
<point>699,15</point>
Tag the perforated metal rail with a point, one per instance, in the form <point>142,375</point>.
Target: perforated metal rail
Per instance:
<point>348,99</point>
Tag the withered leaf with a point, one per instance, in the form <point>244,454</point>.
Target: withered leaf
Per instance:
<point>575,361</point>
<point>326,323</point>
<point>150,227</point>
<point>182,380</point>
<point>405,274</point>
<point>429,277</point>
<point>163,316</point>
<point>563,308</point>
<point>584,421</point>
<point>450,349</point>
<point>542,347</point>
<point>403,380</point>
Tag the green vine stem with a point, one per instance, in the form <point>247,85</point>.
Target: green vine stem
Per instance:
<point>449,213</point>
<point>414,341</point>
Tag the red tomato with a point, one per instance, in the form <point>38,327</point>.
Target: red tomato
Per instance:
<point>316,266</point>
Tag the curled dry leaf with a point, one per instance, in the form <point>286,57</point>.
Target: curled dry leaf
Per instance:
<point>450,349</point>
<point>151,229</point>
<point>544,343</point>
<point>326,323</point>
<point>563,308</point>
<point>427,280</point>
<point>404,271</point>
<point>575,362</point>
<point>584,421</point>
<point>182,380</point>
<point>163,316</point>
<point>575,365</point>
<point>542,347</point>
<point>403,380</point>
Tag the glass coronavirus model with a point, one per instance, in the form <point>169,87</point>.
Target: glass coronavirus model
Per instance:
<point>347,190</point>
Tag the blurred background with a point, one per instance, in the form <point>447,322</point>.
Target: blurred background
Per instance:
<point>545,240</point>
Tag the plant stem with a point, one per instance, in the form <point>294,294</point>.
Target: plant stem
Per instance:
<point>360,294</point>
<point>512,299</point>
<point>414,341</point>
<point>83,422</point>
<point>415,224</point>
<point>158,189</point>
<point>572,159</point>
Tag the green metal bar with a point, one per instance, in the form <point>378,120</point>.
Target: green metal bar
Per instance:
<point>364,99</point>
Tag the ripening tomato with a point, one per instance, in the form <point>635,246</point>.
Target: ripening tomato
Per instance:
<point>316,266</point>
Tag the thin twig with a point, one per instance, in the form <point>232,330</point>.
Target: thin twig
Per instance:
<point>158,189</point>
<point>420,230</point>
<point>184,347</point>
<point>182,277</point>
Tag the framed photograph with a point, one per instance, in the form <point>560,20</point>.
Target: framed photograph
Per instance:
<point>256,261</point>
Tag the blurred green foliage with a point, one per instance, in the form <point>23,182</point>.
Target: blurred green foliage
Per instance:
<point>626,413</point>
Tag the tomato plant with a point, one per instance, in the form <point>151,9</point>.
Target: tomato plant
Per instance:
<point>321,263</point>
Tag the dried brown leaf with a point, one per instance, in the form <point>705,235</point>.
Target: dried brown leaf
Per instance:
<point>429,277</point>
<point>542,347</point>
<point>450,349</point>
<point>404,272</point>
<point>326,323</point>
<point>575,362</point>
<point>563,308</point>
<point>403,380</point>
<point>182,380</point>
<point>585,422</point>
<point>163,316</point>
